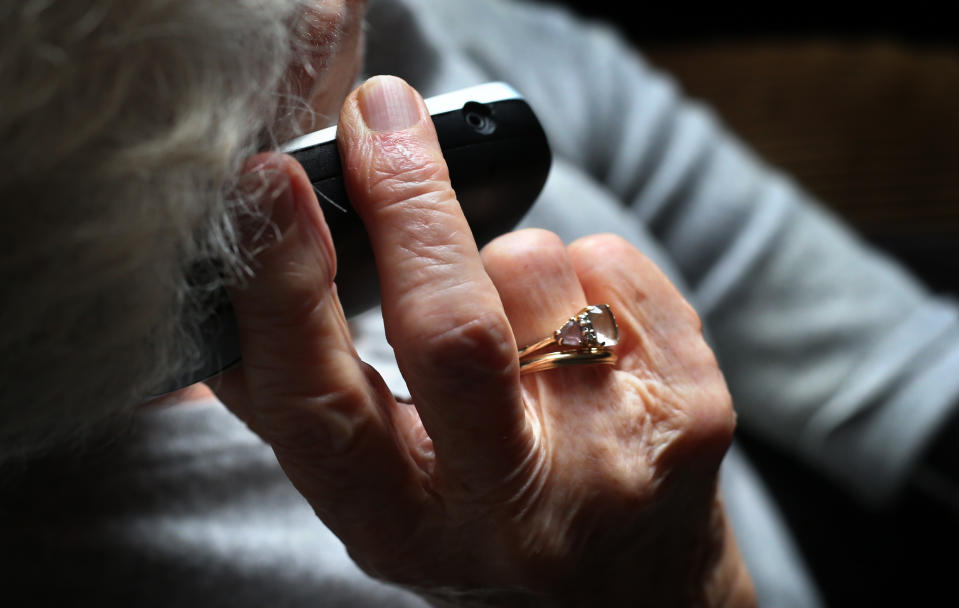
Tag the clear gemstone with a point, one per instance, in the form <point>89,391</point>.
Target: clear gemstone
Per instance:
<point>604,324</point>
<point>594,326</point>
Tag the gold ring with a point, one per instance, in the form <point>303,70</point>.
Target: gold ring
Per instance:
<point>585,338</point>
<point>569,357</point>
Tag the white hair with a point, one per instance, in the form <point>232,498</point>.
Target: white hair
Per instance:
<point>124,125</point>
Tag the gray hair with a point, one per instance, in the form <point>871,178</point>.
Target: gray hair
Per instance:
<point>125,125</point>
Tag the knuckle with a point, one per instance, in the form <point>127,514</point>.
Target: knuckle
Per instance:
<point>522,243</point>
<point>727,414</point>
<point>710,405</point>
<point>603,246</point>
<point>710,425</point>
<point>310,430</point>
<point>478,347</point>
<point>720,425</point>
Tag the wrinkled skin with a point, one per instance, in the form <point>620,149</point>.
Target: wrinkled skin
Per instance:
<point>587,485</point>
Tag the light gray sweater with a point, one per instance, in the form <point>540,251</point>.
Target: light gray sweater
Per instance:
<point>829,349</point>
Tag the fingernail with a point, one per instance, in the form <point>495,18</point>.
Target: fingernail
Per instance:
<point>388,104</point>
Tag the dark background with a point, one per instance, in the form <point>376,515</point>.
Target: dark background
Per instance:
<point>862,111</point>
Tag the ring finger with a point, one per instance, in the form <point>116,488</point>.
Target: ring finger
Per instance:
<point>536,281</point>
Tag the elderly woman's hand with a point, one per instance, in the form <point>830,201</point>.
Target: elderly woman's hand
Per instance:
<point>585,485</point>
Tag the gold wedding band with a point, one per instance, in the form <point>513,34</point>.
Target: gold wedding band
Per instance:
<point>585,338</point>
<point>564,358</point>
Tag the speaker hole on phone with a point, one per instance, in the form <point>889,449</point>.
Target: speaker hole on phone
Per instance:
<point>479,117</point>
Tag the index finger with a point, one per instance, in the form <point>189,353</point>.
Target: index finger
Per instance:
<point>443,315</point>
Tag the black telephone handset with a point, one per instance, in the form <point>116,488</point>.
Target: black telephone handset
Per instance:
<point>498,159</point>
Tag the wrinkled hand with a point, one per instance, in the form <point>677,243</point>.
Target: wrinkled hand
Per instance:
<point>588,485</point>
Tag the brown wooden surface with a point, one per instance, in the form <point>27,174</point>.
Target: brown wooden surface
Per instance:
<point>872,128</point>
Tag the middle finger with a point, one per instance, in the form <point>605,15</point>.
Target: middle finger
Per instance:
<point>536,281</point>
<point>443,315</point>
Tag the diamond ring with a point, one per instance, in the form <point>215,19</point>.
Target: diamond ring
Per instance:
<point>585,338</point>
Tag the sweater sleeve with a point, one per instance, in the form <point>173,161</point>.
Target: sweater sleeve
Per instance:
<point>831,349</point>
